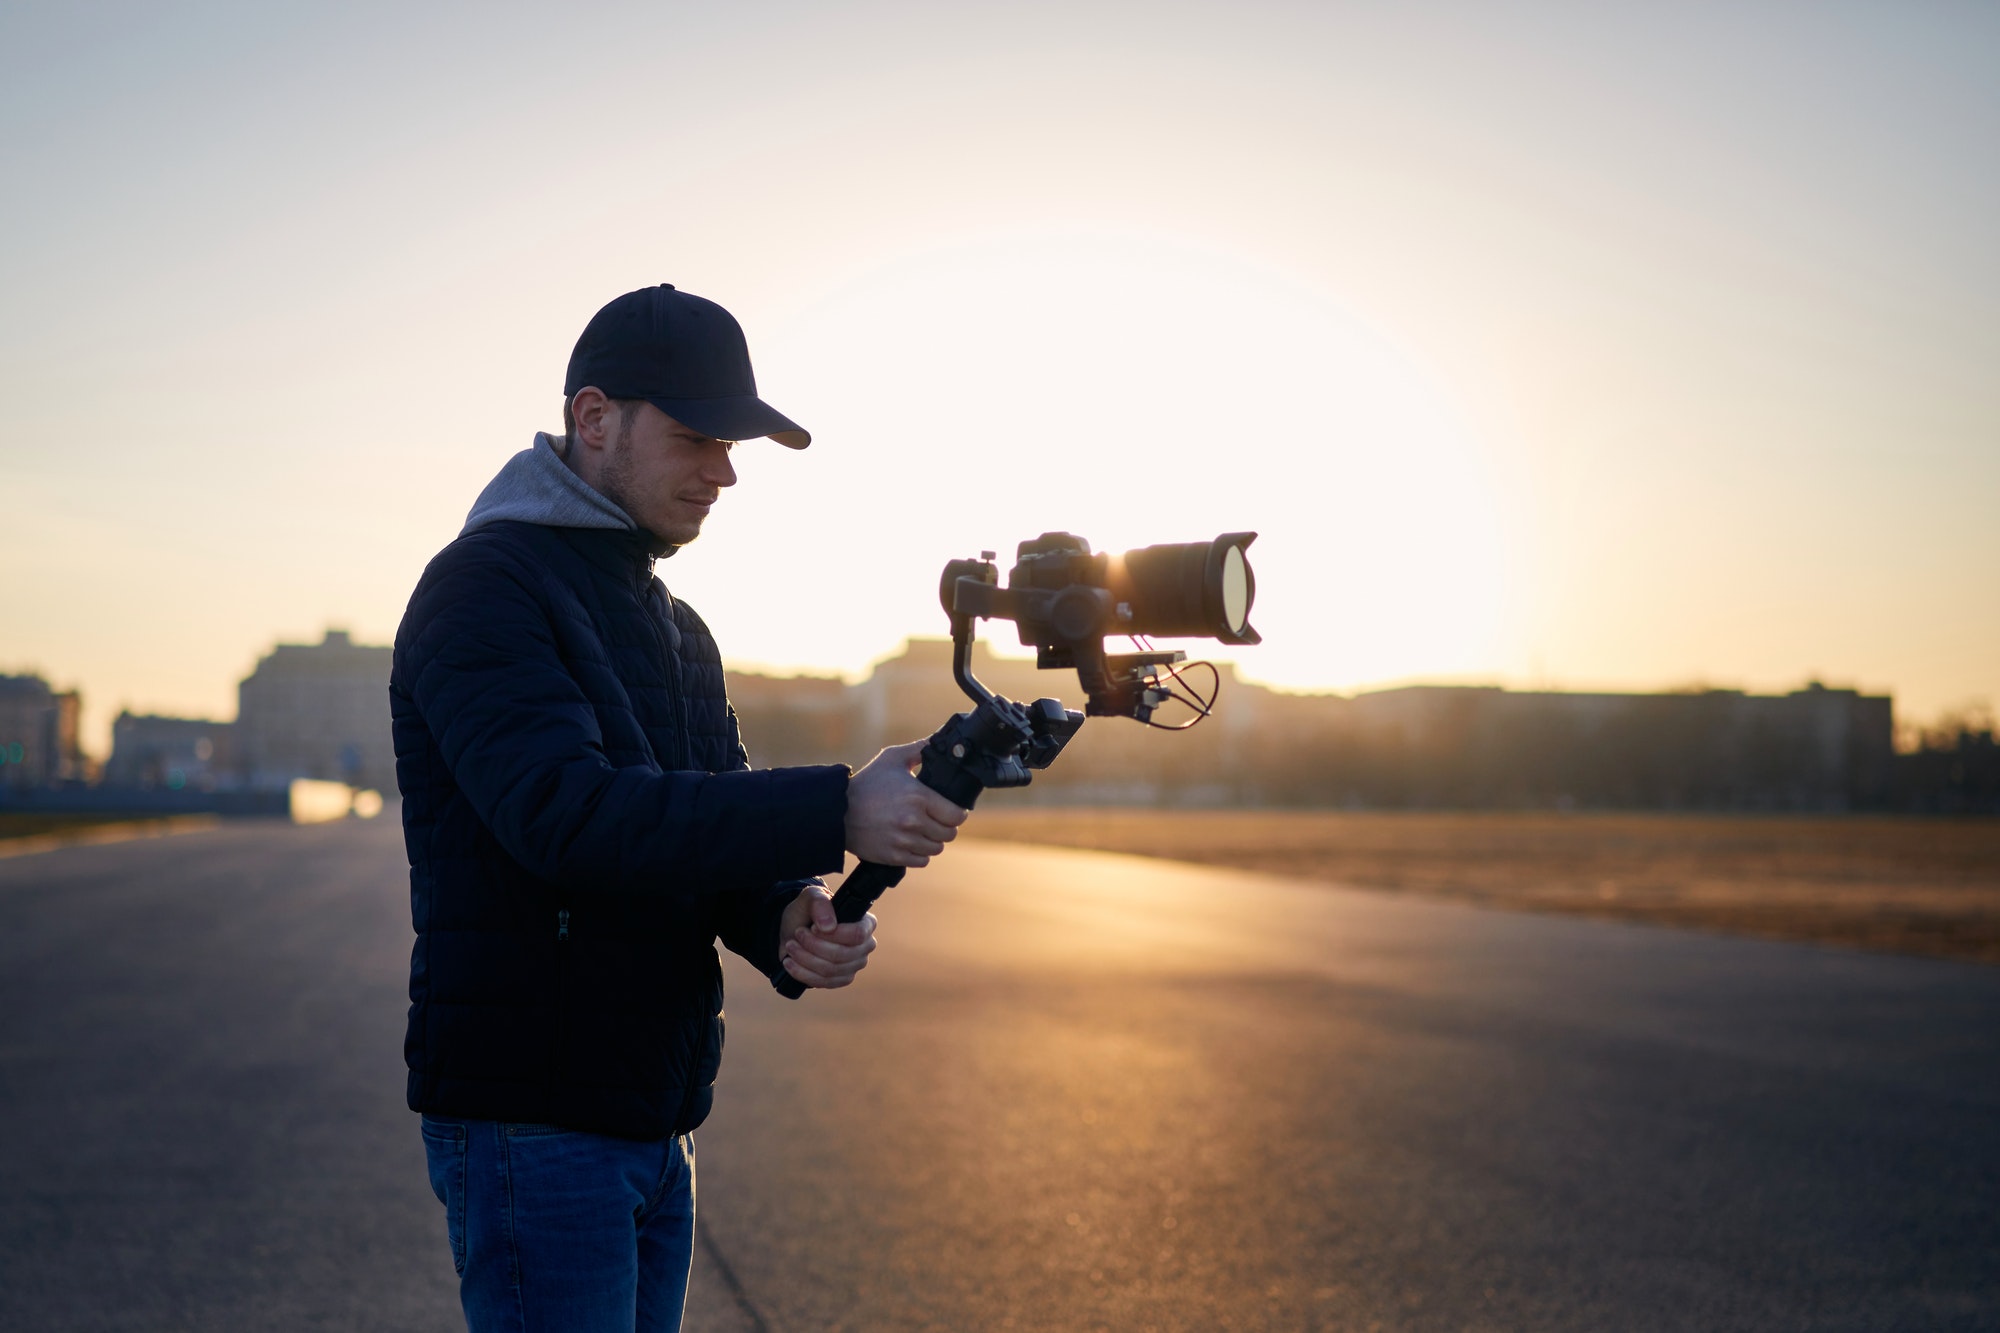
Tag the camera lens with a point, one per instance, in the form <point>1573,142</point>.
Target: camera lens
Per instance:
<point>1188,589</point>
<point>1235,590</point>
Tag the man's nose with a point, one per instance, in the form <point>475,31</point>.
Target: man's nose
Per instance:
<point>720,471</point>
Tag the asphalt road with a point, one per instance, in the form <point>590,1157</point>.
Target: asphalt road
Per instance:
<point>1074,1091</point>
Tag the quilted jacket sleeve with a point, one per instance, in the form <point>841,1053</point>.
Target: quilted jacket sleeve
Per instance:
<point>478,657</point>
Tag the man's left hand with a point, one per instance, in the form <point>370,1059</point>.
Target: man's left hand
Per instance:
<point>818,949</point>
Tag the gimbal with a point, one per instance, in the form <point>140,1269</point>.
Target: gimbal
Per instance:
<point>1064,601</point>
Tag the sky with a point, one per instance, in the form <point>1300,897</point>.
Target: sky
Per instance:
<point>1550,345</point>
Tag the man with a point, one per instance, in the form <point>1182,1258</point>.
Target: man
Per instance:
<point>583,825</point>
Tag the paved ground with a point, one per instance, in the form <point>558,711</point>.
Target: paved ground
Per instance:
<point>1074,1092</point>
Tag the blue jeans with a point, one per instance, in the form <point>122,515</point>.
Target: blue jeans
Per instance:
<point>554,1229</point>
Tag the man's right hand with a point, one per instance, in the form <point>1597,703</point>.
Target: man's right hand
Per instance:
<point>893,819</point>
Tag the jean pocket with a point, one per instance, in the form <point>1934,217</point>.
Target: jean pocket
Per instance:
<point>444,1154</point>
<point>522,1129</point>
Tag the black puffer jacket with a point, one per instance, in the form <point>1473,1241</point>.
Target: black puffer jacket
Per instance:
<point>582,825</point>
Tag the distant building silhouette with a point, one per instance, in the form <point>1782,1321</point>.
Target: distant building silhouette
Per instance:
<point>317,711</point>
<point>321,711</point>
<point>150,752</point>
<point>1424,746</point>
<point>38,734</point>
<point>792,719</point>
<point>911,694</point>
<point>1813,749</point>
<point>1955,770</point>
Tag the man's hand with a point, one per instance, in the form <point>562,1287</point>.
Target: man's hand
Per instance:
<point>817,949</point>
<point>893,819</point>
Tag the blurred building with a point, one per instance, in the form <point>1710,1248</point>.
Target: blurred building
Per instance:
<point>317,711</point>
<point>1954,770</point>
<point>321,711</point>
<point>791,719</point>
<point>38,734</point>
<point>1814,749</point>
<point>173,753</point>
<point>908,696</point>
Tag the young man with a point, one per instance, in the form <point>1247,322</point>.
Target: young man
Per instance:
<point>583,825</point>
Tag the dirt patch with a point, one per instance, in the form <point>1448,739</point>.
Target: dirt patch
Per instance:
<point>27,834</point>
<point>1921,886</point>
<point>14,824</point>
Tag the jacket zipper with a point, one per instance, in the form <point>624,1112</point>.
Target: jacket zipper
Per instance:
<point>557,1075</point>
<point>676,685</point>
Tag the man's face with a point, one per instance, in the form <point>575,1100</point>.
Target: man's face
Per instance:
<point>663,474</point>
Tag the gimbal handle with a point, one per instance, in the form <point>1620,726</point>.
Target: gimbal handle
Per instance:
<point>994,745</point>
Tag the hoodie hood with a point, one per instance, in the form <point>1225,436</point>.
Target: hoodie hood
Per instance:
<point>536,486</point>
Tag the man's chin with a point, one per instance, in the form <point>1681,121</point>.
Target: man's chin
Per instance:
<point>676,534</point>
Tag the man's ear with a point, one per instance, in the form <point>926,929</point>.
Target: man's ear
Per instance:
<point>591,411</point>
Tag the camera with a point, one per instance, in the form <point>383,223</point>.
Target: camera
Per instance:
<point>1064,600</point>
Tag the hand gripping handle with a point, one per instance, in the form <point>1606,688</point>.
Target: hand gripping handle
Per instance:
<point>851,902</point>
<point>965,756</point>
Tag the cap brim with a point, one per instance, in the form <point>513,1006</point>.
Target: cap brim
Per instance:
<point>743,418</point>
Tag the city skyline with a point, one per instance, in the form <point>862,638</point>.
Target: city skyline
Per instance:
<point>1002,655</point>
<point>1625,349</point>
<point>315,712</point>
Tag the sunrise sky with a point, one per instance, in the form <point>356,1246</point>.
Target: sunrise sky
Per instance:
<point>1625,346</point>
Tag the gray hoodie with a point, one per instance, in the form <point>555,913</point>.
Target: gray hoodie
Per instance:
<point>536,486</point>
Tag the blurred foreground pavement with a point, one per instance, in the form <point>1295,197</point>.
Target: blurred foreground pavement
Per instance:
<point>1073,1091</point>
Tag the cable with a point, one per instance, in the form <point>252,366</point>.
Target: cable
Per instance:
<point>1203,708</point>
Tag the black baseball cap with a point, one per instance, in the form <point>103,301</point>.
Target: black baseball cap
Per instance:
<point>685,356</point>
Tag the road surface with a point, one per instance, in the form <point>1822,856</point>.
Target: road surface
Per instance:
<point>1073,1091</point>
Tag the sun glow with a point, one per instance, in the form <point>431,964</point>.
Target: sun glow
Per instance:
<point>1133,389</point>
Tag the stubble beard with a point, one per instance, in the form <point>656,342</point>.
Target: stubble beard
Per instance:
<point>620,487</point>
